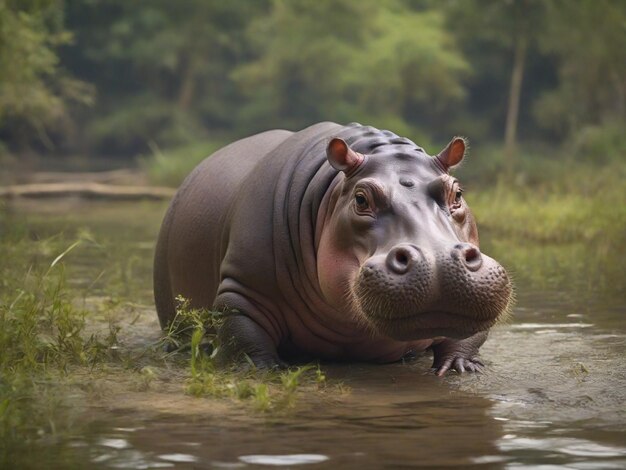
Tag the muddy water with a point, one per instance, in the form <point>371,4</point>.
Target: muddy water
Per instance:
<point>554,393</point>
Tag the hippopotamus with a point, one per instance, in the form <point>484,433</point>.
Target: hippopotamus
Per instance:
<point>340,243</point>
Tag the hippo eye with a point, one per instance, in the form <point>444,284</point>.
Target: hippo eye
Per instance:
<point>458,196</point>
<point>361,201</point>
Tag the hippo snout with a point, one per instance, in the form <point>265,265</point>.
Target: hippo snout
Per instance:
<point>453,291</point>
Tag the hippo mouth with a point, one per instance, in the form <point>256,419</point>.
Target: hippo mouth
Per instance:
<point>425,325</point>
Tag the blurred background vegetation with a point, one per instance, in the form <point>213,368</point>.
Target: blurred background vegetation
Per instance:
<point>538,86</point>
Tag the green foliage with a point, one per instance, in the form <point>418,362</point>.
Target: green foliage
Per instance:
<point>193,330</point>
<point>550,215</point>
<point>369,61</point>
<point>269,391</point>
<point>143,120</point>
<point>189,329</point>
<point>34,89</point>
<point>165,69</point>
<point>171,74</point>
<point>39,324</point>
<point>588,40</point>
<point>297,80</point>
<point>42,336</point>
<point>171,166</point>
<point>601,143</point>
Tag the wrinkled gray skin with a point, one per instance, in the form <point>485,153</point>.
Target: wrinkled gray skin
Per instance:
<point>335,242</point>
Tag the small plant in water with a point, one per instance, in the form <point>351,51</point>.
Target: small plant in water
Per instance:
<point>193,330</point>
<point>190,323</point>
<point>147,376</point>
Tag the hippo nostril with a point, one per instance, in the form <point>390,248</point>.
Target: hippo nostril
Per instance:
<point>470,255</point>
<point>401,258</point>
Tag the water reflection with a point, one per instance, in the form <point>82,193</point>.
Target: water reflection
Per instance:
<point>394,417</point>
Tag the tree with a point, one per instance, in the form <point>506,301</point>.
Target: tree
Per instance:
<point>161,68</point>
<point>499,39</point>
<point>379,62</point>
<point>521,37</point>
<point>34,89</point>
<point>587,40</point>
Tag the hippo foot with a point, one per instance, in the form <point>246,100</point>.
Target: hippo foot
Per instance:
<point>459,355</point>
<point>459,364</point>
<point>242,343</point>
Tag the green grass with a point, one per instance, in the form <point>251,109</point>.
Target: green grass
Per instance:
<point>170,167</point>
<point>42,339</point>
<point>568,226</point>
<point>552,217</point>
<point>193,330</point>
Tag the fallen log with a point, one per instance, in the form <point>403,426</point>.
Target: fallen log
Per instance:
<point>85,190</point>
<point>121,176</point>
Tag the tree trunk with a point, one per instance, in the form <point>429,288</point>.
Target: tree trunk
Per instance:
<point>188,85</point>
<point>515,91</point>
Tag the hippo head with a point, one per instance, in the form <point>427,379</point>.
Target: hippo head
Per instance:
<point>398,245</point>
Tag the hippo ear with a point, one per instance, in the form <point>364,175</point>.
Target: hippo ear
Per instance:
<point>341,157</point>
<point>452,154</point>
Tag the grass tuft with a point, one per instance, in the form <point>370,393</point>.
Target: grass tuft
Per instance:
<point>192,331</point>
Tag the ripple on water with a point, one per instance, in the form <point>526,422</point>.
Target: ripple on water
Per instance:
<point>283,460</point>
<point>588,454</point>
<point>114,443</point>
<point>536,326</point>
<point>178,457</point>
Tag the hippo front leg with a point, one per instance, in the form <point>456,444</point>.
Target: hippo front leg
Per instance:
<point>458,354</point>
<point>239,337</point>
